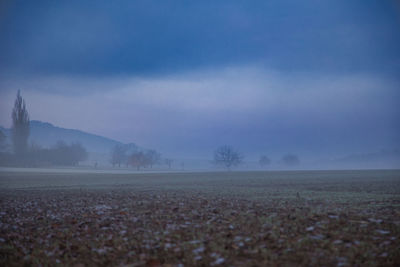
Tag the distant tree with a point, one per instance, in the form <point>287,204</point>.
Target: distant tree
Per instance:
<point>3,144</point>
<point>290,160</point>
<point>137,159</point>
<point>38,156</point>
<point>20,126</point>
<point>227,156</point>
<point>118,155</point>
<point>168,162</point>
<point>78,153</point>
<point>152,157</point>
<point>60,154</point>
<point>67,155</point>
<point>264,161</point>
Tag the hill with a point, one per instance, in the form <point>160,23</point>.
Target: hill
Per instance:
<point>46,135</point>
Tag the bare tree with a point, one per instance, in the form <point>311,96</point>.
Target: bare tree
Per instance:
<point>118,155</point>
<point>153,157</point>
<point>227,156</point>
<point>137,160</point>
<point>20,126</point>
<point>264,161</point>
<point>168,162</point>
<point>290,160</point>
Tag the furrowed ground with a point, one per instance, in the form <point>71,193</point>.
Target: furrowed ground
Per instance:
<point>318,218</point>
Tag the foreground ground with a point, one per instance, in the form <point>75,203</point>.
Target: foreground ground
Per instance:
<point>338,218</point>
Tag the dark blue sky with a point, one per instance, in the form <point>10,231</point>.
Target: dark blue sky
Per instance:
<point>155,37</point>
<point>313,77</point>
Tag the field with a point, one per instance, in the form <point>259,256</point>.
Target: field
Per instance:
<point>309,218</point>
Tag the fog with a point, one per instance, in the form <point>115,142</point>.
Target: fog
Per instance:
<point>199,133</point>
<point>318,81</point>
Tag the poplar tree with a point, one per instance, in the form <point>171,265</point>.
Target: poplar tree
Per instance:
<point>20,126</point>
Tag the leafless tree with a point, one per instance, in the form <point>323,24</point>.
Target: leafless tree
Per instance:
<point>168,162</point>
<point>227,156</point>
<point>20,126</point>
<point>290,160</point>
<point>264,161</point>
<point>137,160</point>
<point>153,157</point>
<point>118,155</point>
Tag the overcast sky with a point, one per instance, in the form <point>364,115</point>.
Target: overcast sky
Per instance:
<point>316,78</point>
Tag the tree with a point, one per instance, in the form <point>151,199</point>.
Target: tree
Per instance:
<point>118,155</point>
<point>227,156</point>
<point>168,162</point>
<point>3,144</point>
<point>153,157</point>
<point>290,160</point>
<point>78,153</point>
<point>137,160</point>
<point>20,126</point>
<point>67,155</point>
<point>264,161</point>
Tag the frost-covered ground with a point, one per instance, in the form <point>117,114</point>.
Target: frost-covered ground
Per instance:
<point>331,218</point>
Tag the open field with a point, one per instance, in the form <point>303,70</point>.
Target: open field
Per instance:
<point>315,218</point>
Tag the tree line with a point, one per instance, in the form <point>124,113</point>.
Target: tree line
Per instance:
<point>120,156</point>
<point>22,154</point>
<point>229,157</point>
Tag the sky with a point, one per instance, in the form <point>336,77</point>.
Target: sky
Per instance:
<point>315,78</point>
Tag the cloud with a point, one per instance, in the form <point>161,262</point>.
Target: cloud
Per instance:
<point>146,38</point>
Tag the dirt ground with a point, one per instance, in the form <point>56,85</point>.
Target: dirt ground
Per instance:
<point>338,218</point>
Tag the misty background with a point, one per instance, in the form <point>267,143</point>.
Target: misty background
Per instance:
<point>316,79</point>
